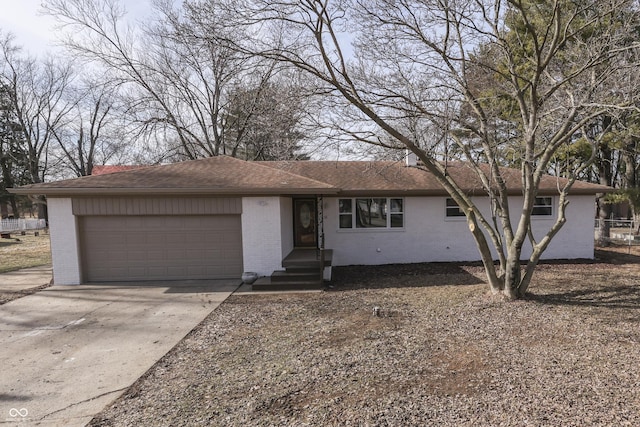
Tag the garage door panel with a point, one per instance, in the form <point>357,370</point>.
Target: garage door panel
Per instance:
<point>132,238</point>
<point>137,271</point>
<point>155,239</point>
<point>115,257</point>
<point>156,252</point>
<point>213,254</point>
<point>176,271</point>
<point>123,248</point>
<point>233,257</point>
<point>196,270</point>
<point>137,256</point>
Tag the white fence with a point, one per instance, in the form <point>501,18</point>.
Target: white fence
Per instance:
<point>22,224</point>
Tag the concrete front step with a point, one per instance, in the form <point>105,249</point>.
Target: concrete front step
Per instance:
<point>266,284</point>
<point>302,271</point>
<point>301,264</point>
<point>295,276</point>
<point>307,258</point>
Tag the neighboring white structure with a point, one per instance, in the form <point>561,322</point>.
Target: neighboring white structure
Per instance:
<point>218,217</point>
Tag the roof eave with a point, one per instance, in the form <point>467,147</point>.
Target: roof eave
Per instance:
<point>57,191</point>
<point>471,192</point>
<point>392,193</point>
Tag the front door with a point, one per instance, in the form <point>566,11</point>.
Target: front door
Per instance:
<point>304,223</point>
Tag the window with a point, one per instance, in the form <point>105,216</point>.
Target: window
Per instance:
<point>452,209</point>
<point>346,213</point>
<point>371,213</point>
<point>543,206</point>
<point>397,213</point>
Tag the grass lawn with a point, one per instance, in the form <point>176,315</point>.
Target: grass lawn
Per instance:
<point>24,251</point>
<point>442,352</point>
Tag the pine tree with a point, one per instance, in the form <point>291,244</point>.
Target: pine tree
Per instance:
<point>12,159</point>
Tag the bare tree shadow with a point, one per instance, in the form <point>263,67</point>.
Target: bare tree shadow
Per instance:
<point>617,297</point>
<point>616,255</point>
<point>6,397</point>
<point>9,242</point>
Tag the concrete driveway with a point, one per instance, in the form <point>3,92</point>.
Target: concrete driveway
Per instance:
<point>27,278</point>
<point>68,351</point>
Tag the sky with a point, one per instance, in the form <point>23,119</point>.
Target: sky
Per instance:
<point>32,31</point>
<point>36,32</point>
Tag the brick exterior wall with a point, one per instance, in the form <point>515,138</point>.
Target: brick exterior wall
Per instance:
<point>262,234</point>
<point>428,236</point>
<point>63,229</point>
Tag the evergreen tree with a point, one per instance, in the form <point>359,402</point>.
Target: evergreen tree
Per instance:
<point>12,159</point>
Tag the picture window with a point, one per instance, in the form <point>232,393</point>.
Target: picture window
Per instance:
<point>374,212</point>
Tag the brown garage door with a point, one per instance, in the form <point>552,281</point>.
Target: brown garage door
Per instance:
<point>133,248</point>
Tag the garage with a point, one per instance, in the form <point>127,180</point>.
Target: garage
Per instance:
<point>132,241</point>
<point>212,218</point>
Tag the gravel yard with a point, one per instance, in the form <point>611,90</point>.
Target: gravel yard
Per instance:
<point>441,352</point>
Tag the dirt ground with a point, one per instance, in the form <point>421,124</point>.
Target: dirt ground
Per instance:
<point>440,351</point>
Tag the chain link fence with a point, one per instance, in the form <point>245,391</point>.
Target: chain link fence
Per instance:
<point>620,231</point>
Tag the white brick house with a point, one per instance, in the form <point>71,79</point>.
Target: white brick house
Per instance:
<point>217,217</point>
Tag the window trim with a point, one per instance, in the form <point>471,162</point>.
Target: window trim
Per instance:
<point>536,216</point>
<point>354,209</point>
<point>345,214</point>
<point>540,205</point>
<point>448,217</point>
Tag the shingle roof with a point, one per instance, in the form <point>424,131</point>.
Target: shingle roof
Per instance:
<point>215,175</point>
<point>225,176</point>
<point>104,169</point>
<point>388,177</point>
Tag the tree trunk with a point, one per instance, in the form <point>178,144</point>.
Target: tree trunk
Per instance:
<point>14,206</point>
<point>41,205</point>
<point>605,172</point>
<point>512,274</point>
<point>7,179</point>
<point>496,283</point>
<point>604,226</point>
<point>630,178</point>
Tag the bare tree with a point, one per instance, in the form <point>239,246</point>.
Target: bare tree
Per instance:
<point>179,84</point>
<point>265,125</point>
<point>94,134</point>
<point>37,93</point>
<point>12,161</point>
<point>554,62</point>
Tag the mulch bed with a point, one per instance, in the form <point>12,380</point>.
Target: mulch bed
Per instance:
<point>440,351</point>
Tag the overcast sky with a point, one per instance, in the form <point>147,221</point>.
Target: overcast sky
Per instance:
<point>35,32</point>
<point>32,31</point>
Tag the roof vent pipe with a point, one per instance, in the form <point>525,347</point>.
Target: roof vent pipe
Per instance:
<point>410,158</point>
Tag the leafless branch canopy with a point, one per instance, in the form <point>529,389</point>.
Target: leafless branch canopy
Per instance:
<point>497,82</point>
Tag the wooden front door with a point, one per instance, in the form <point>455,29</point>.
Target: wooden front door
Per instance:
<point>304,223</point>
